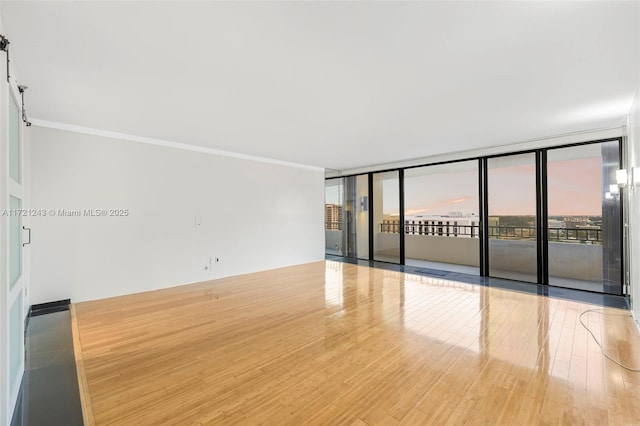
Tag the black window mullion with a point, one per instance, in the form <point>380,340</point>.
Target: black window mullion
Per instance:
<point>370,184</point>
<point>401,230</point>
<point>542,243</point>
<point>624,230</point>
<point>484,217</point>
<point>545,220</point>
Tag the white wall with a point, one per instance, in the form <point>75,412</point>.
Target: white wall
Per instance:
<point>255,216</point>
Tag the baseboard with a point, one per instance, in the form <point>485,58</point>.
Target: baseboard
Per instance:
<point>49,307</point>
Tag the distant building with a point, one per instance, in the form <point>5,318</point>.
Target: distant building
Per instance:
<point>572,222</point>
<point>333,217</point>
<point>554,223</point>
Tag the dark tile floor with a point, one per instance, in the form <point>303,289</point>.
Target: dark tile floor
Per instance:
<point>49,394</point>
<point>542,290</point>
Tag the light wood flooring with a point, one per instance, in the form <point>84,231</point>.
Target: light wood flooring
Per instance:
<point>334,343</point>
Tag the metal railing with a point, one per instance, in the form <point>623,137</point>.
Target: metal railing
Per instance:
<point>437,228</point>
<point>444,229</point>
<point>513,232</point>
<point>578,235</point>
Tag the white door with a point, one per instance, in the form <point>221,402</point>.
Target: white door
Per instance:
<point>15,221</point>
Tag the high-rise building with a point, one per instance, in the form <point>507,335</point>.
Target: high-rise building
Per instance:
<point>333,217</point>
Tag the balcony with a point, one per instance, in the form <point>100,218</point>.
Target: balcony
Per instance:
<point>575,253</point>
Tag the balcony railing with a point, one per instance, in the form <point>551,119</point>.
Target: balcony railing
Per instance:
<point>442,229</point>
<point>577,235</point>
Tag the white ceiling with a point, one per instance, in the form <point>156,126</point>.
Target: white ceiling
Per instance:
<point>331,84</point>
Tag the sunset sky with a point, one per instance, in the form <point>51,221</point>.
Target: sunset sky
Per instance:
<point>575,188</point>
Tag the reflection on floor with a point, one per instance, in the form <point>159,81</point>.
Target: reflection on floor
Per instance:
<point>525,287</point>
<point>337,343</point>
<point>509,275</point>
<point>50,386</point>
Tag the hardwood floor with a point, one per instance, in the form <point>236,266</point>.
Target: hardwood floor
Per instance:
<point>334,343</point>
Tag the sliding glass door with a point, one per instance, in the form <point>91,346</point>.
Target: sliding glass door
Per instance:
<point>512,217</point>
<point>346,210</point>
<point>386,216</point>
<point>584,217</point>
<point>356,216</point>
<point>333,202</point>
<point>441,217</point>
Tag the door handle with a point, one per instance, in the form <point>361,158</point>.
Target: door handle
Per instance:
<point>29,241</point>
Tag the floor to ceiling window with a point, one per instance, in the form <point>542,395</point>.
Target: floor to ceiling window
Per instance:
<point>333,202</point>
<point>441,214</point>
<point>356,216</point>
<point>386,216</point>
<point>584,217</point>
<point>512,217</point>
<point>347,216</point>
<point>549,216</point>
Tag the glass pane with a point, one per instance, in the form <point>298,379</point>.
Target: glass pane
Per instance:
<point>356,219</point>
<point>15,241</point>
<point>511,184</point>
<point>333,196</point>
<point>441,217</point>
<point>15,339</point>
<point>584,217</point>
<point>386,216</point>
<point>14,142</point>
